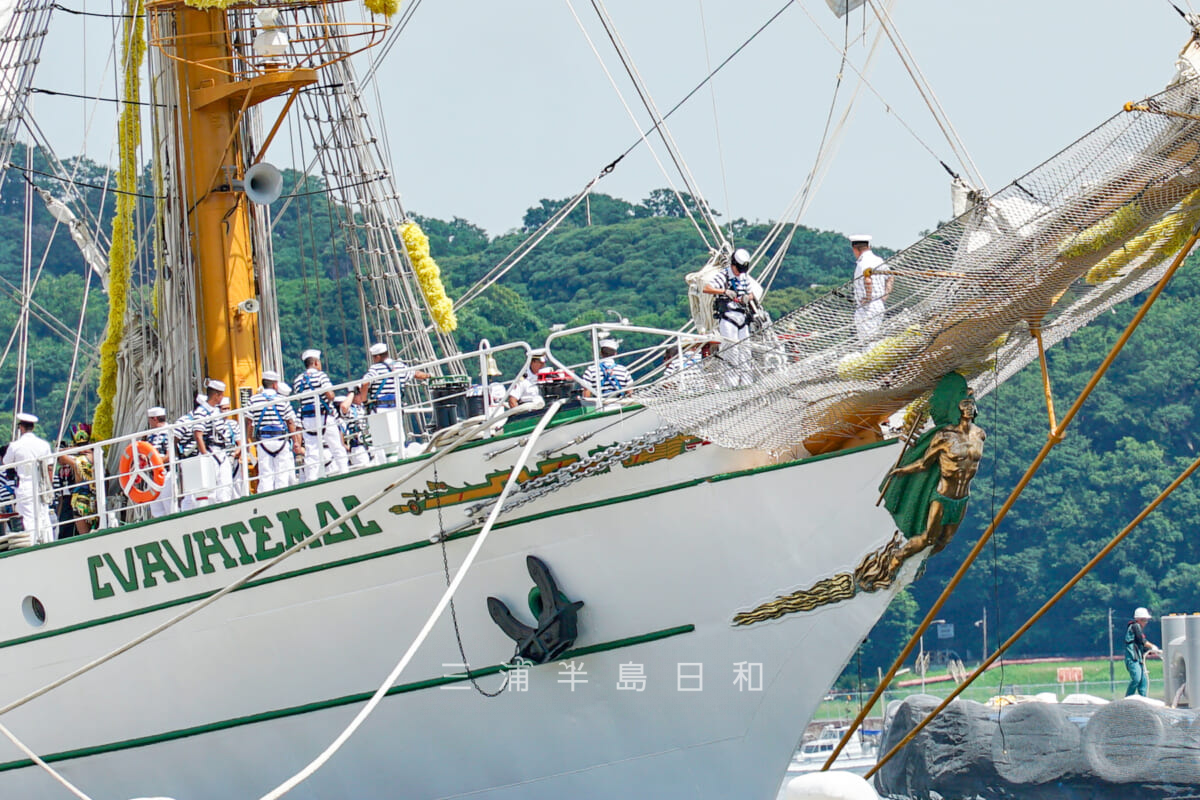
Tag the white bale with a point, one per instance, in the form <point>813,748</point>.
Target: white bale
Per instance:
<point>830,786</point>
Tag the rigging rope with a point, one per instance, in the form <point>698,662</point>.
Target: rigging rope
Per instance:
<point>1041,612</point>
<point>687,211</point>
<point>664,133</point>
<point>513,479</point>
<point>926,91</point>
<point>61,179</point>
<point>538,235</point>
<point>712,90</point>
<point>1053,439</point>
<point>822,163</point>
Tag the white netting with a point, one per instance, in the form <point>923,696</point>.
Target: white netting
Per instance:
<point>1088,229</point>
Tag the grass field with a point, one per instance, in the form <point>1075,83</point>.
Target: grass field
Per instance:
<point>1025,678</point>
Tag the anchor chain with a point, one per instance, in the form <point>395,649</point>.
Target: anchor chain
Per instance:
<point>591,465</point>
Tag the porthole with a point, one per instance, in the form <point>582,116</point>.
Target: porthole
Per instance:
<point>34,611</point>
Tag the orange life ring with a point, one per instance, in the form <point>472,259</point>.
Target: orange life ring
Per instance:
<point>131,475</point>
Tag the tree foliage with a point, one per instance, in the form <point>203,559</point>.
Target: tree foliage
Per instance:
<point>611,258</point>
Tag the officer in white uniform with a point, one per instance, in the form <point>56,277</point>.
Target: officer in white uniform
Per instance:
<point>321,432</point>
<point>524,388</point>
<point>872,285</point>
<point>273,424</point>
<point>159,437</point>
<point>33,478</point>
<point>736,292</point>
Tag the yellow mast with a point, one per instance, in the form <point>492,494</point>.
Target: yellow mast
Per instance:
<point>214,97</point>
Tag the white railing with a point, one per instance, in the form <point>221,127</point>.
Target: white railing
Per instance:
<point>160,478</point>
<point>164,484</point>
<point>647,364</point>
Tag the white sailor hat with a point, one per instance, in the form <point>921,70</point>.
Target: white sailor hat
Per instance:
<point>226,402</point>
<point>270,375</point>
<point>200,398</point>
<point>30,418</point>
<point>156,411</point>
<point>378,349</point>
<point>609,344</point>
<point>855,238</point>
<point>215,385</point>
<point>539,353</point>
<point>284,389</point>
<point>307,354</point>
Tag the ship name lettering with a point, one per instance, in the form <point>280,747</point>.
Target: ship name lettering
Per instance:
<point>205,552</point>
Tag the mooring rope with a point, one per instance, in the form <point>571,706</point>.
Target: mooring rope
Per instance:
<point>1080,575</point>
<point>1053,439</point>
<point>513,478</point>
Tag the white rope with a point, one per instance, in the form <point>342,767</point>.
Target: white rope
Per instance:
<point>926,91</point>
<point>367,709</point>
<point>70,787</point>
<point>712,91</point>
<point>862,76</point>
<point>645,139</point>
<point>525,247</point>
<point>660,122</point>
<point>823,162</point>
<point>264,567</point>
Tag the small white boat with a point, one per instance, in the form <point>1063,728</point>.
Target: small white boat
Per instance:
<point>859,753</point>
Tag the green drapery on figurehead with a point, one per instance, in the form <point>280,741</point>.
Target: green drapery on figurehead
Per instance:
<point>908,496</point>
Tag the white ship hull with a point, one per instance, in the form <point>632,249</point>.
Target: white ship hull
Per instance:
<point>232,701</point>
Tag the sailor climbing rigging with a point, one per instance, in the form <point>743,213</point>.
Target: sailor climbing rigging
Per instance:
<point>738,302</point>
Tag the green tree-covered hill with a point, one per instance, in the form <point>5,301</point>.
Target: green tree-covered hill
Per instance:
<point>1134,435</point>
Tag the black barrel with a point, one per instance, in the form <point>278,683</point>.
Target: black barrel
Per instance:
<point>449,399</point>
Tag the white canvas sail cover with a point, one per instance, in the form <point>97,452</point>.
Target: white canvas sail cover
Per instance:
<point>844,7</point>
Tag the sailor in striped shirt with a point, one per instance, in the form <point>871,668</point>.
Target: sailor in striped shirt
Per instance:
<point>210,433</point>
<point>321,432</point>
<point>273,423</point>
<point>380,393</point>
<point>159,438</point>
<point>607,378</point>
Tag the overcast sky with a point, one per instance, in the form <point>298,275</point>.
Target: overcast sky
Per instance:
<point>490,106</point>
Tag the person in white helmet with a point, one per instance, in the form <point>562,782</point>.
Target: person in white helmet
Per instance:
<point>736,295</point>
<point>1137,647</point>
<point>872,284</point>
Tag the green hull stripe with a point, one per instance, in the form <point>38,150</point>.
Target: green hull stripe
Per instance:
<point>322,705</point>
<point>423,542</point>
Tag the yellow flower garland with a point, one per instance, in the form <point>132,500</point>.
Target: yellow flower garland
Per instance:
<point>122,252</point>
<point>384,8</point>
<point>1110,229</point>
<point>1165,236</point>
<point>429,277</point>
<point>881,357</point>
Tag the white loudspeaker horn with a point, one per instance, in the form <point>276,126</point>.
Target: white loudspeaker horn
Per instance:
<point>263,183</point>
